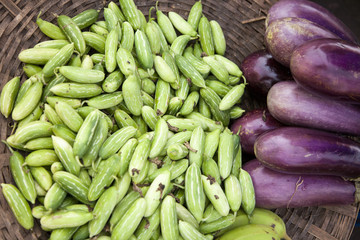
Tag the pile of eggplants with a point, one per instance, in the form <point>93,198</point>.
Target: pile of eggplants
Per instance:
<point>305,142</point>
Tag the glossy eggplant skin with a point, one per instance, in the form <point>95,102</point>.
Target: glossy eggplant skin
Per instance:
<point>330,68</point>
<point>279,190</point>
<point>291,104</point>
<point>284,35</point>
<point>313,12</point>
<point>262,71</point>
<point>250,126</point>
<point>308,151</point>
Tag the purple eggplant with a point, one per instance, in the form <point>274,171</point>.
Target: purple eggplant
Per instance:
<point>312,12</point>
<point>308,151</point>
<point>283,35</point>
<point>262,71</point>
<point>291,104</point>
<point>251,125</point>
<point>280,190</point>
<point>328,67</point>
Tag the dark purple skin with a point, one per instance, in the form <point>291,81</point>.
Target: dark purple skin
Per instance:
<point>252,125</point>
<point>262,71</point>
<point>330,68</point>
<point>308,151</point>
<point>279,190</point>
<point>292,105</point>
<point>284,35</point>
<point>312,12</point>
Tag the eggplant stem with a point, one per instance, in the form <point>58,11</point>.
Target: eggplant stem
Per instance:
<point>297,185</point>
<point>251,20</point>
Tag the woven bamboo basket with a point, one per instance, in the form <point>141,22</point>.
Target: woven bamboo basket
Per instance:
<point>243,25</point>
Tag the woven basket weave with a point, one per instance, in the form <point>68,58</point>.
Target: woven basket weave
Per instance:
<point>19,31</point>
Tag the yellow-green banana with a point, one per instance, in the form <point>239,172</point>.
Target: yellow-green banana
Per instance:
<point>251,232</point>
<point>269,218</point>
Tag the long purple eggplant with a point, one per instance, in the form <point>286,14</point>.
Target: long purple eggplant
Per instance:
<point>312,12</point>
<point>262,71</point>
<point>284,35</point>
<point>328,67</point>
<point>291,104</point>
<point>308,151</point>
<point>250,126</point>
<point>279,190</point>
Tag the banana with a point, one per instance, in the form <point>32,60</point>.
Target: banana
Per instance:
<point>259,217</point>
<point>269,218</point>
<point>251,232</point>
